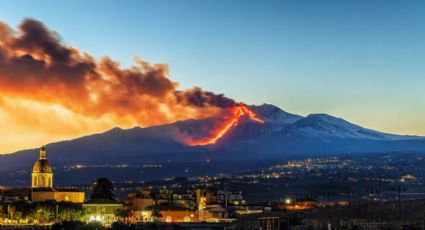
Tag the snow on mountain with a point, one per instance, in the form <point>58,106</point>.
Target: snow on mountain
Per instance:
<point>282,133</point>
<point>323,125</point>
<point>273,114</point>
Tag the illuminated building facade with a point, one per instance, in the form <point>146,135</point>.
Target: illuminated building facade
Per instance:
<point>102,210</point>
<point>42,186</point>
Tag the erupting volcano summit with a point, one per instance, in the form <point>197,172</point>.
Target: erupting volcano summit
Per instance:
<point>238,111</point>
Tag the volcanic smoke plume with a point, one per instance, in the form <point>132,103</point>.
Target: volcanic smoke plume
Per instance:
<point>37,70</point>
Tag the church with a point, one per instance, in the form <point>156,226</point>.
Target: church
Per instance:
<point>41,186</point>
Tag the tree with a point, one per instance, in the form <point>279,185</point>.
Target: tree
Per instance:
<point>18,210</point>
<point>3,214</point>
<point>123,215</point>
<point>42,214</point>
<point>18,215</point>
<point>156,215</point>
<point>70,211</point>
<point>103,189</point>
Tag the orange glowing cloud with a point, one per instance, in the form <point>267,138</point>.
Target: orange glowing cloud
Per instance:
<point>39,74</point>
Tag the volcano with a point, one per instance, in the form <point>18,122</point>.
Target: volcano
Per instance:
<point>242,133</point>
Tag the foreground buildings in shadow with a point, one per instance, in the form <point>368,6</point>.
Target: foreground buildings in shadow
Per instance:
<point>191,206</point>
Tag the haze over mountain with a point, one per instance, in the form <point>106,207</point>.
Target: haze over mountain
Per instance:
<point>280,135</point>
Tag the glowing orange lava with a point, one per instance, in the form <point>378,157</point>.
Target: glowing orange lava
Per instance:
<point>238,111</point>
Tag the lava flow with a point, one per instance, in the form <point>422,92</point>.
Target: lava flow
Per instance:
<point>238,111</point>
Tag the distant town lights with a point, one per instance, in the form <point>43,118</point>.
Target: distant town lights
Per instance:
<point>288,200</point>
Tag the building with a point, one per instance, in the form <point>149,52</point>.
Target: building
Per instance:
<point>181,205</point>
<point>205,197</point>
<point>229,198</point>
<point>178,216</point>
<point>214,214</point>
<point>102,210</point>
<point>175,205</point>
<point>138,201</point>
<point>41,186</point>
<point>42,173</point>
<point>166,215</point>
<point>269,223</point>
<point>15,194</point>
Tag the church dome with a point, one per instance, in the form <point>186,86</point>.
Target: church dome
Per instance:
<point>42,166</point>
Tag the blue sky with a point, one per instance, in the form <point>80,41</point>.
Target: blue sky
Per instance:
<point>360,60</point>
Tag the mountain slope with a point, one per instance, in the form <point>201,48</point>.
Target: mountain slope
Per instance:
<point>316,134</point>
<point>281,134</point>
<point>326,125</point>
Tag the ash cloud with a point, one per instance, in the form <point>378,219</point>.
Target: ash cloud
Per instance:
<point>36,65</point>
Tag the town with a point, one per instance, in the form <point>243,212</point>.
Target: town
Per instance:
<point>227,115</point>
<point>281,196</point>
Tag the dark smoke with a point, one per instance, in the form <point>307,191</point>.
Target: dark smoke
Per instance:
<point>36,65</point>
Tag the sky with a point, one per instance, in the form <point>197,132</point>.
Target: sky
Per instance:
<point>362,60</point>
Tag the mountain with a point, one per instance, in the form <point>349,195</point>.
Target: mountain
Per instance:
<point>315,134</point>
<point>280,135</point>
